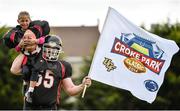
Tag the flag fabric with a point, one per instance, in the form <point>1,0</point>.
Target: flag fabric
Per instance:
<point>131,58</point>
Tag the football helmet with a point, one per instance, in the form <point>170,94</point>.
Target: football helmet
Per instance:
<point>52,48</point>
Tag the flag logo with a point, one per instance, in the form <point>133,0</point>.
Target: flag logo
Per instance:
<point>151,85</point>
<point>134,65</point>
<point>144,51</point>
<point>109,64</point>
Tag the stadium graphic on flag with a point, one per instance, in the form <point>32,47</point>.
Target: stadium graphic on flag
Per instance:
<point>140,53</point>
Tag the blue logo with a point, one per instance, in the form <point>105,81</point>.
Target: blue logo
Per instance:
<point>151,85</point>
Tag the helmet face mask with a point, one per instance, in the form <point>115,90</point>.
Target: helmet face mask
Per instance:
<point>52,49</point>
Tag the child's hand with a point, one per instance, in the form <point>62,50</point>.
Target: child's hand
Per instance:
<point>21,43</point>
<point>30,41</point>
<point>33,41</point>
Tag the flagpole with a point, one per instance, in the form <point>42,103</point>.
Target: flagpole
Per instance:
<point>84,91</point>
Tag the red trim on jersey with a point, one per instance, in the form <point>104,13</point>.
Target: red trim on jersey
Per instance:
<point>17,48</point>
<point>59,86</point>
<point>12,37</point>
<point>24,60</point>
<point>38,28</point>
<point>63,70</point>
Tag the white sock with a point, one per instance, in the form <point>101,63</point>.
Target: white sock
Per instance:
<point>31,89</point>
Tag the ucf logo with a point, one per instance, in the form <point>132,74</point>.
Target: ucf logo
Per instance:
<point>109,64</point>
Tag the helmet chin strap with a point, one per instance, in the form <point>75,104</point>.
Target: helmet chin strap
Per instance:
<point>38,49</point>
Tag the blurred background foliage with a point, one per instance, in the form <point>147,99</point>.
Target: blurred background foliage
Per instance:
<point>98,96</point>
<point>10,85</point>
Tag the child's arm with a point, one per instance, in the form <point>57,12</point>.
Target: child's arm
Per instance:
<point>40,28</point>
<point>11,38</point>
<point>40,40</point>
<point>35,40</point>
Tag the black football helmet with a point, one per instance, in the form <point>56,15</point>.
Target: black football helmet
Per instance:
<point>52,48</point>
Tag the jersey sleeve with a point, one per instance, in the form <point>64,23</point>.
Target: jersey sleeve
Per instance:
<point>68,69</point>
<point>12,38</point>
<point>40,28</point>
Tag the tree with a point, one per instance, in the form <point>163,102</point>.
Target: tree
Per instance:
<point>170,91</point>
<point>10,85</point>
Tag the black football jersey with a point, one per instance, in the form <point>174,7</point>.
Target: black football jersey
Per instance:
<point>45,92</point>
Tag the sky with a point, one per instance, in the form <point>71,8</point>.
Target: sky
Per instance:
<point>90,12</point>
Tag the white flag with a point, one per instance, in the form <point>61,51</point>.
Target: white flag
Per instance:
<point>131,58</point>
